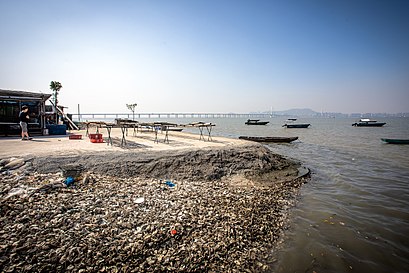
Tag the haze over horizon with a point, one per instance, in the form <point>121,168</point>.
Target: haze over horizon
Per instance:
<point>210,56</point>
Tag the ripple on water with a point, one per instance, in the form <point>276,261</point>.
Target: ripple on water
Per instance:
<point>353,214</point>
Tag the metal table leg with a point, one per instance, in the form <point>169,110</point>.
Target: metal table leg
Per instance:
<point>166,134</point>
<point>109,136</point>
<point>209,130</point>
<point>156,135</point>
<point>201,133</point>
<point>123,141</point>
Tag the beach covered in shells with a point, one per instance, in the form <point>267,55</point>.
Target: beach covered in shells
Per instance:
<point>218,209</point>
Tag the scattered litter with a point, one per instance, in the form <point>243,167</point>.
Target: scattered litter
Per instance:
<point>73,170</point>
<point>96,138</point>
<point>198,219</point>
<point>139,200</point>
<point>75,136</point>
<point>69,180</point>
<point>170,183</point>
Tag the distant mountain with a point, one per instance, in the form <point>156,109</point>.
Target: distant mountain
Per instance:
<point>305,112</point>
<point>297,112</point>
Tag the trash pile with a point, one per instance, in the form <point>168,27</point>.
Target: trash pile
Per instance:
<point>101,223</point>
<point>71,173</point>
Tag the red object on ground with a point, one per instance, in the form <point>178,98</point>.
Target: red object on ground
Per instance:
<point>95,136</point>
<point>73,136</point>
<point>173,232</point>
<point>96,140</point>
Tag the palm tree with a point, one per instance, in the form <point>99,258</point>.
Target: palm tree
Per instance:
<point>55,86</point>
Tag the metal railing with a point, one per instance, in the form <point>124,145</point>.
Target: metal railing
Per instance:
<point>102,116</point>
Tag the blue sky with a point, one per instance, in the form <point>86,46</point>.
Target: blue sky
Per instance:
<point>210,56</point>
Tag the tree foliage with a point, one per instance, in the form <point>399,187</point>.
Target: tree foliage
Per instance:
<point>132,108</point>
<point>55,86</point>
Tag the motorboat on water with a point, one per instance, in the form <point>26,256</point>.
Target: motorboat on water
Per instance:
<point>269,139</point>
<point>291,123</point>
<point>296,125</point>
<point>256,122</point>
<point>366,122</point>
<point>395,140</point>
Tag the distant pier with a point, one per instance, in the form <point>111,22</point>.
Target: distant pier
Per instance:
<point>83,117</point>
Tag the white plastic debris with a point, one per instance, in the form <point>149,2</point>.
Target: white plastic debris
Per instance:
<point>139,200</point>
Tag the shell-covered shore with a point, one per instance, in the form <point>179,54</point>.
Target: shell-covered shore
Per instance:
<point>139,223</point>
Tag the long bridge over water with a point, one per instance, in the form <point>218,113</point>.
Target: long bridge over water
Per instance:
<point>83,117</point>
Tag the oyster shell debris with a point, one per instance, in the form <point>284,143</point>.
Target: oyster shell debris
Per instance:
<point>97,226</point>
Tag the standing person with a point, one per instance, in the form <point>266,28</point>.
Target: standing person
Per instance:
<point>24,118</point>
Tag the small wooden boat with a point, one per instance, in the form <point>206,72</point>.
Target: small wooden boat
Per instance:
<point>366,122</point>
<point>269,139</point>
<point>292,119</point>
<point>256,122</point>
<point>297,125</point>
<point>173,129</point>
<point>395,140</point>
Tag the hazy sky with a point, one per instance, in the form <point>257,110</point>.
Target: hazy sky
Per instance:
<point>210,56</point>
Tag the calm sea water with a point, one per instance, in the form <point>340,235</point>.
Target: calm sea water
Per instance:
<point>353,215</point>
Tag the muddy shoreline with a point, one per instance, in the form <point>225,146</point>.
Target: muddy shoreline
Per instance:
<point>225,212</point>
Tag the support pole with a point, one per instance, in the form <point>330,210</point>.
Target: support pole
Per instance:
<point>79,114</point>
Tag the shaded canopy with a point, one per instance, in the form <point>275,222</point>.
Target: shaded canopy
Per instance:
<point>23,95</point>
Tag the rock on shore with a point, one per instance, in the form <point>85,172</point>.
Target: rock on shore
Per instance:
<point>120,216</point>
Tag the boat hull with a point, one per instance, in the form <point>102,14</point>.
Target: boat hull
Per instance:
<point>257,123</point>
<point>395,140</point>
<point>269,139</point>
<point>302,125</point>
<point>373,124</point>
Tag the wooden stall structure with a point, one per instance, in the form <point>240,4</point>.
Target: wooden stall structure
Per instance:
<point>11,102</point>
<point>124,125</point>
<point>203,125</point>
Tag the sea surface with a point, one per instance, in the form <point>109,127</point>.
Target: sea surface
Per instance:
<point>353,214</point>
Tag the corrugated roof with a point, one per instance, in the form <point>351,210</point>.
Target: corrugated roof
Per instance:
<point>23,94</point>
